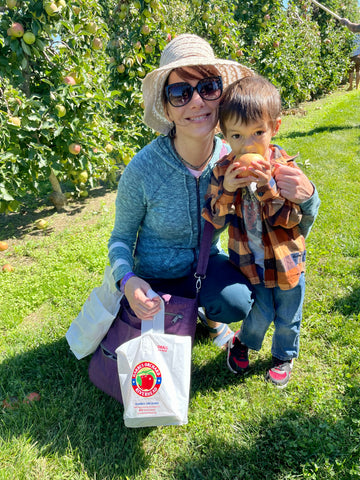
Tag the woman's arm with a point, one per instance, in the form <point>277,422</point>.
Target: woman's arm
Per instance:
<point>130,211</point>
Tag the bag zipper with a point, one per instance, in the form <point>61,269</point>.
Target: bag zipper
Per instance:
<point>107,353</point>
<point>177,316</point>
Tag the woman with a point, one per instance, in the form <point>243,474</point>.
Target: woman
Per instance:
<point>158,225</point>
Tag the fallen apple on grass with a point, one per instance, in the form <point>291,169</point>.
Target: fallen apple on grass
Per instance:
<point>7,268</point>
<point>3,246</point>
<point>41,224</point>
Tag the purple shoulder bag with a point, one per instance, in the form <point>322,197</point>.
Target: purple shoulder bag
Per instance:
<point>180,319</point>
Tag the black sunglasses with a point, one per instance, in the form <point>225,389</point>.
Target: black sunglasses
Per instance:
<point>179,94</point>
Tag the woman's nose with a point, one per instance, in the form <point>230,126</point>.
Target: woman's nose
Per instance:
<point>196,99</point>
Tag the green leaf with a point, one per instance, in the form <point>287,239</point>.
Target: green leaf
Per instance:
<point>25,47</point>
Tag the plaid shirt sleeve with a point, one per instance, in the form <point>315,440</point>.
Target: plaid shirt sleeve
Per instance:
<point>278,211</point>
<point>219,203</point>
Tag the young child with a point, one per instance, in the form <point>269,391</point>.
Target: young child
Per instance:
<point>265,242</point>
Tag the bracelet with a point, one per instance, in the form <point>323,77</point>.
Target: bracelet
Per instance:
<point>124,280</point>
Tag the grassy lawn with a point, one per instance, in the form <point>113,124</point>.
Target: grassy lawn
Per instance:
<point>237,429</point>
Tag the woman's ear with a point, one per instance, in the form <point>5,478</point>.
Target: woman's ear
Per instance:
<point>276,126</point>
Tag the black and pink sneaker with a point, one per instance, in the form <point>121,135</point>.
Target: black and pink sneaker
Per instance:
<point>237,357</point>
<point>279,373</point>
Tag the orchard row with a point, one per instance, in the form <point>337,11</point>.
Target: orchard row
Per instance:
<point>71,73</point>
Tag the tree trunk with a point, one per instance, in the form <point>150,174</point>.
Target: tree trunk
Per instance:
<point>57,197</point>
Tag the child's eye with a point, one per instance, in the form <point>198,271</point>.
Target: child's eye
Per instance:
<point>259,133</point>
<point>236,136</point>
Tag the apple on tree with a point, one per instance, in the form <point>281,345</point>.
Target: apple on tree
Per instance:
<point>11,4</point>
<point>91,27</point>
<point>69,80</point>
<point>83,176</point>
<point>97,43</point>
<point>74,148</point>
<point>29,38</point>
<point>60,110</point>
<point>51,8</point>
<point>15,121</point>
<point>16,30</point>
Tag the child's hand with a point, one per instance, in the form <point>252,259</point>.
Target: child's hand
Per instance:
<point>262,170</point>
<point>233,179</point>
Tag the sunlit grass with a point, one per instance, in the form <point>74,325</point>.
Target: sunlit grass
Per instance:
<point>237,429</point>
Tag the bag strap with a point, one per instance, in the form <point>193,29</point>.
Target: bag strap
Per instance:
<point>204,254</point>
<point>206,241</point>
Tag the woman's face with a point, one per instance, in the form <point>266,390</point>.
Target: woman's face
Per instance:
<point>197,118</point>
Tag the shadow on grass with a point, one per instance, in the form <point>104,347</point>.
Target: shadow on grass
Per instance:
<point>314,131</point>
<point>73,414</point>
<point>350,303</point>
<point>21,223</point>
<point>287,447</point>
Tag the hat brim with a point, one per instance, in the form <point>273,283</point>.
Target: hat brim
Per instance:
<point>154,82</point>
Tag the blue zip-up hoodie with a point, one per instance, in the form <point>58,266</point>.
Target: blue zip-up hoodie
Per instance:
<point>158,221</point>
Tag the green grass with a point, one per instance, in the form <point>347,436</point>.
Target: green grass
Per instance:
<point>237,429</point>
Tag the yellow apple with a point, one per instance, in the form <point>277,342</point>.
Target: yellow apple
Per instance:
<point>29,38</point>
<point>3,246</point>
<point>60,110</point>
<point>15,121</point>
<point>41,224</point>
<point>83,176</point>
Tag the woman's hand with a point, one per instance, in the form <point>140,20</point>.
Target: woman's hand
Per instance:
<point>293,184</point>
<point>135,291</point>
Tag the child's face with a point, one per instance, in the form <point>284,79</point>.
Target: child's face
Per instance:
<point>254,137</point>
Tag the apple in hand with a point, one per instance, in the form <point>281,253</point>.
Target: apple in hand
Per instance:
<point>245,160</point>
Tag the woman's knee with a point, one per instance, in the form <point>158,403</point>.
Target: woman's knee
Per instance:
<point>228,306</point>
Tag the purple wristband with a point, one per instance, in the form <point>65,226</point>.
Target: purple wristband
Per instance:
<point>124,280</point>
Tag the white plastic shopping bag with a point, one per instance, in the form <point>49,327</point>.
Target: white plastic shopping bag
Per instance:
<point>154,372</point>
<point>95,318</point>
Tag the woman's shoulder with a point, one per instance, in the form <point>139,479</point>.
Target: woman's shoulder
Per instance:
<point>148,155</point>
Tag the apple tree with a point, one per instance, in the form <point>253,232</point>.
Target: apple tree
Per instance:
<point>54,99</point>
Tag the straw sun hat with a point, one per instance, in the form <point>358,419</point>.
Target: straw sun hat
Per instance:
<point>183,51</point>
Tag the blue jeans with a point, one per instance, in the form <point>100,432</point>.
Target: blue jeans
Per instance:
<point>226,294</point>
<point>284,308</point>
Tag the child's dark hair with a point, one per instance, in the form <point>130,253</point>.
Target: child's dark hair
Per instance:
<point>249,99</point>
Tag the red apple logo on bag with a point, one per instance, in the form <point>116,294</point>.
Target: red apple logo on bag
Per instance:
<point>146,379</point>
